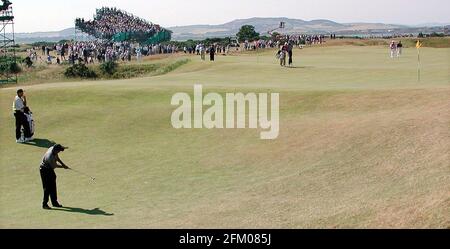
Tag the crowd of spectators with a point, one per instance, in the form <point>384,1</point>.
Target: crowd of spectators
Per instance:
<point>280,40</point>
<point>95,52</point>
<point>108,22</point>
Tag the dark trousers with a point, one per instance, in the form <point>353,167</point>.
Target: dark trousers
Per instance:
<point>48,178</point>
<point>211,57</point>
<point>21,121</point>
<point>290,57</point>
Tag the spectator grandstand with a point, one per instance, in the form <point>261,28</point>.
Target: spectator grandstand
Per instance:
<point>117,25</point>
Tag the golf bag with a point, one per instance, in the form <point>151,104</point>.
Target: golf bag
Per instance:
<point>278,55</point>
<point>30,120</point>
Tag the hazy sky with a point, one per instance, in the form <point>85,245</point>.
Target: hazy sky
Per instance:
<point>53,15</point>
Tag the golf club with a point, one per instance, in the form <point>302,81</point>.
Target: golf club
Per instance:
<point>81,173</point>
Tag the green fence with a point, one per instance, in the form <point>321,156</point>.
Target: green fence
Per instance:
<point>159,37</point>
<point>124,36</point>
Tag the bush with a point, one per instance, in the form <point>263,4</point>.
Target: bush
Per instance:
<point>80,71</point>
<point>9,66</point>
<point>43,43</point>
<point>434,34</point>
<point>15,68</point>
<point>109,68</point>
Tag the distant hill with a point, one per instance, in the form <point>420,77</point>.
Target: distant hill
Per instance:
<point>262,25</point>
<point>50,36</point>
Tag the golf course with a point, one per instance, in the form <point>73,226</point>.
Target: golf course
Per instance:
<point>362,144</point>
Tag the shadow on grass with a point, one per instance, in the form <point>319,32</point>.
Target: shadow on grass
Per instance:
<point>42,143</point>
<point>300,67</point>
<point>95,211</point>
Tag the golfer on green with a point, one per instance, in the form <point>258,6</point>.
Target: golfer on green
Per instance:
<point>48,176</point>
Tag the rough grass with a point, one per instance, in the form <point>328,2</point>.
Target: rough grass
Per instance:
<point>128,71</point>
<point>171,67</point>
<point>55,73</point>
<point>436,42</point>
<point>41,74</point>
<point>362,145</point>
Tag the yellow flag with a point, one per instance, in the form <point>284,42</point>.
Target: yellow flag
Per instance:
<point>418,44</point>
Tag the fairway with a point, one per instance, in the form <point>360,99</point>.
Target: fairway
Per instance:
<point>362,144</point>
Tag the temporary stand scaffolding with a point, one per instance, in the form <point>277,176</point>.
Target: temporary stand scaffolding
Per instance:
<point>8,62</point>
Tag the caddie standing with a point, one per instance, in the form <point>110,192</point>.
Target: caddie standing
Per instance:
<point>19,104</point>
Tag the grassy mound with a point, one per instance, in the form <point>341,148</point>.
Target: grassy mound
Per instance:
<point>128,71</point>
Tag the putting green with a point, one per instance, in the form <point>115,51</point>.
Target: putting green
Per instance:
<point>362,144</point>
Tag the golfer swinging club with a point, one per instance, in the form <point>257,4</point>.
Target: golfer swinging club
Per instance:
<point>48,176</point>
